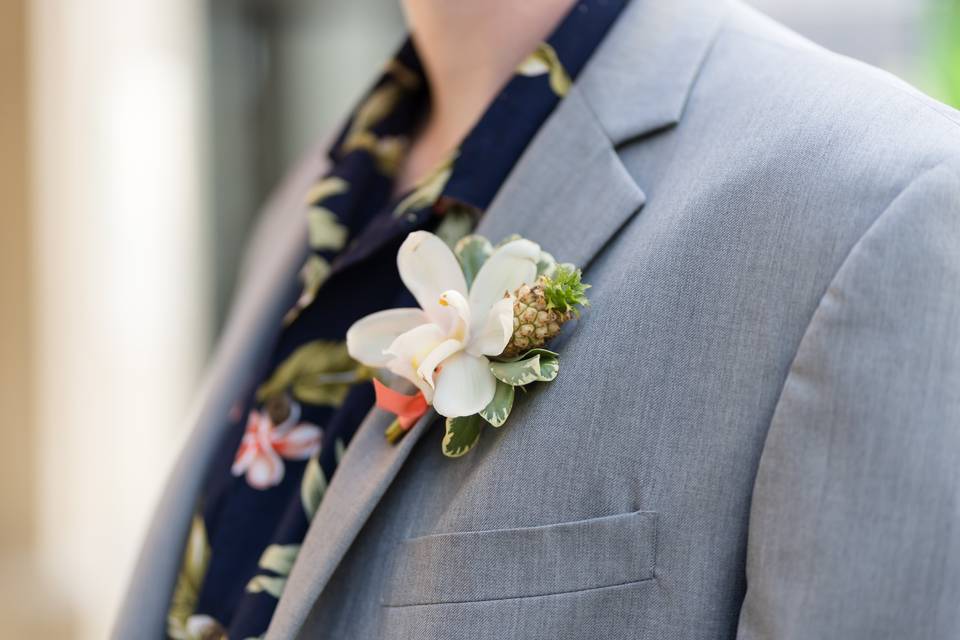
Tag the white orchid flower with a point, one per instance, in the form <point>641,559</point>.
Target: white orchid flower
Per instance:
<point>443,346</point>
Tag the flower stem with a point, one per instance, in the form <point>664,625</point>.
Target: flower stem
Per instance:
<point>394,432</point>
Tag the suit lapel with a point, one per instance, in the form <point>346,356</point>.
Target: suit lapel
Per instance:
<point>570,193</point>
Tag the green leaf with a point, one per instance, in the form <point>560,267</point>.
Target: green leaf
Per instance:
<point>324,230</point>
<point>338,450</point>
<point>565,290</point>
<point>549,367</point>
<point>472,251</point>
<point>457,222</point>
<point>314,273</point>
<point>497,412</point>
<point>546,264</point>
<point>536,365</point>
<point>312,487</point>
<point>426,192</point>
<point>196,558</point>
<point>461,435</point>
<point>325,188</point>
<point>509,238</point>
<point>319,372</point>
<point>529,354</point>
<point>273,586</point>
<point>545,61</point>
<point>279,558</point>
<point>517,373</point>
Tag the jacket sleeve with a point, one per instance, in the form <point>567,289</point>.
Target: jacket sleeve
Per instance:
<point>855,519</point>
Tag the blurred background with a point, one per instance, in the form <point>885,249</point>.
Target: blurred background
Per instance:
<point>137,140</point>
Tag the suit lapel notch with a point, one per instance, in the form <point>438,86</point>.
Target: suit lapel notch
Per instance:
<point>569,193</point>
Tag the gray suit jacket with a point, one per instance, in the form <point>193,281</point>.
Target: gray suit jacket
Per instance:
<point>755,433</point>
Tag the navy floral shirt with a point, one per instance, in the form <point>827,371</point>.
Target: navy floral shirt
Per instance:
<point>287,437</point>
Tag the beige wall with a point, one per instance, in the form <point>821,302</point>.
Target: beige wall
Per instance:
<point>104,315</point>
<point>29,607</point>
<point>16,429</point>
<point>119,280</point>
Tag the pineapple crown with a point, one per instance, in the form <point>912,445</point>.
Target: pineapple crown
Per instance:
<point>564,290</point>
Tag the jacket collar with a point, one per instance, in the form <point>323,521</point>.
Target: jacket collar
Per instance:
<point>640,77</point>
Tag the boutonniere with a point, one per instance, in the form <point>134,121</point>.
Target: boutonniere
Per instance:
<point>486,314</point>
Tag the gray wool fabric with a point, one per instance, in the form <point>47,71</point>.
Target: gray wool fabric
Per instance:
<point>755,432</point>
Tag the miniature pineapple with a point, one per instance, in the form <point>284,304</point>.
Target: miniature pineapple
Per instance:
<point>539,311</point>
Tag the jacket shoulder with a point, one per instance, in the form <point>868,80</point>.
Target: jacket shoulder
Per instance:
<point>828,104</point>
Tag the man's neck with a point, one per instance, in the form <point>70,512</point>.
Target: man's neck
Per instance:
<point>469,50</point>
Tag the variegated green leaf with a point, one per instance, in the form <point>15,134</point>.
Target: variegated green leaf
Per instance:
<point>312,487</point>
<point>497,412</point>
<point>461,434</point>
<point>540,351</point>
<point>549,367</point>
<point>517,373</point>
<point>329,186</point>
<point>536,365</point>
<point>324,230</point>
<point>546,265</point>
<point>457,221</point>
<point>549,363</point>
<point>338,450</point>
<point>509,238</point>
<point>269,584</point>
<point>472,251</point>
<point>279,558</point>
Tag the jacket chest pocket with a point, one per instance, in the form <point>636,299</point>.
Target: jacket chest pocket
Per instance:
<point>529,562</point>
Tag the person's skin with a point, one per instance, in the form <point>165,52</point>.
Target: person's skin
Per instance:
<point>469,49</point>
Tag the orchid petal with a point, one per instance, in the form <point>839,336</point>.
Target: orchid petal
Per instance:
<point>510,266</point>
<point>464,386</point>
<point>370,336</point>
<point>410,349</point>
<point>428,268</point>
<point>493,336</point>
<point>443,351</point>
<point>456,311</point>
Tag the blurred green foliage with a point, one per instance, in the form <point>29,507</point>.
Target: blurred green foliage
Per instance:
<point>946,52</point>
